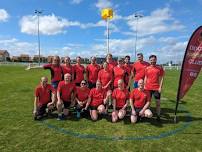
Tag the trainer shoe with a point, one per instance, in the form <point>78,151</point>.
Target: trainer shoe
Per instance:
<point>60,117</point>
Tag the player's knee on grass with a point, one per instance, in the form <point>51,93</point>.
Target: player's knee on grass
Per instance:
<point>148,113</point>
<point>121,114</point>
<point>114,116</point>
<point>133,119</point>
<point>94,115</point>
<point>101,109</point>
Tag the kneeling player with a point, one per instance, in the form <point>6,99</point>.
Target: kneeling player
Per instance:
<point>120,101</point>
<point>140,102</point>
<point>97,99</point>
<point>43,100</point>
<point>81,97</point>
<point>65,95</point>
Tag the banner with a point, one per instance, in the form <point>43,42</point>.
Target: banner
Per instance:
<point>192,63</point>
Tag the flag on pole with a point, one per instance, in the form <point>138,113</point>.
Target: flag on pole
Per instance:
<point>192,64</point>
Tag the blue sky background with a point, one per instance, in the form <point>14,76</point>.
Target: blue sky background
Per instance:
<point>74,27</point>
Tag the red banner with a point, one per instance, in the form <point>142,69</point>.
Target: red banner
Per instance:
<point>192,63</point>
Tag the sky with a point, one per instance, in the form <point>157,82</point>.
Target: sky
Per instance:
<point>75,27</point>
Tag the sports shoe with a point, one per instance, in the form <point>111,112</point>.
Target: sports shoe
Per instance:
<point>78,114</point>
<point>60,117</point>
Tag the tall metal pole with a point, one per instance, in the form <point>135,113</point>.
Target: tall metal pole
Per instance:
<point>137,16</point>
<point>107,36</point>
<point>38,13</point>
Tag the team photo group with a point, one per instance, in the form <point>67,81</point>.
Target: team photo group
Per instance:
<point>113,88</point>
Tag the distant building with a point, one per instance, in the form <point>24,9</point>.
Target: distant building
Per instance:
<point>25,58</point>
<point>4,56</point>
<point>42,59</point>
<point>15,59</point>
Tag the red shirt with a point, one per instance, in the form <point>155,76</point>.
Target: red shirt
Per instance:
<point>67,69</point>
<point>128,68</point>
<point>140,97</point>
<point>105,77</point>
<point>82,93</point>
<point>119,73</point>
<point>153,73</point>
<point>139,70</point>
<point>56,72</point>
<point>120,96</point>
<point>97,97</point>
<point>66,90</point>
<point>44,94</point>
<point>92,70</point>
<point>79,72</point>
<point>112,65</point>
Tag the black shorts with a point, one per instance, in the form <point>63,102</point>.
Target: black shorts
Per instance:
<point>91,85</point>
<point>156,94</point>
<point>77,84</point>
<point>118,108</point>
<point>93,107</point>
<point>66,104</point>
<point>41,110</point>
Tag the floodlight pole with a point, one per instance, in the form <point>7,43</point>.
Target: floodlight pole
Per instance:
<point>107,36</point>
<point>137,16</point>
<point>38,14</point>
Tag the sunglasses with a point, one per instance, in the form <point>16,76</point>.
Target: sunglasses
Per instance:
<point>83,83</point>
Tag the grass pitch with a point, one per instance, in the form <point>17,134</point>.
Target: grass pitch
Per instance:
<point>18,131</point>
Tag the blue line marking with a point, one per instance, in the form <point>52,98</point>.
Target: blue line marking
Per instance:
<point>121,138</point>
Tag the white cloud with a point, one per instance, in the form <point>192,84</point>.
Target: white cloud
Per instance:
<point>3,15</point>
<point>103,4</point>
<point>52,25</point>
<point>17,47</point>
<point>159,21</point>
<point>76,1</point>
<point>49,25</point>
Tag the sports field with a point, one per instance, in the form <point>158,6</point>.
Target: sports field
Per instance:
<point>18,131</point>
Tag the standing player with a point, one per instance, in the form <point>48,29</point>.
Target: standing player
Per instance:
<point>128,68</point>
<point>154,81</point>
<point>67,67</point>
<point>97,99</point>
<point>105,76</point>
<point>56,71</point>
<point>81,96</point>
<point>43,100</point>
<point>79,71</point>
<point>92,72</point>
<point>138,70</point>
<point>140,102</point>
<point>120,101</point>
<point>110,61</point>
<point>119,72</point>
<point>65,95</point>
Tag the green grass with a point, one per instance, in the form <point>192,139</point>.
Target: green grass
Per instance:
<point>18,132</point>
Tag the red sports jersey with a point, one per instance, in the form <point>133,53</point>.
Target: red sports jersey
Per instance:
<point>92,70</point>
<point>82,93</point>
<point>97,97</point>
<point>44,94</point>
<point>140,97</point>
<point>105,77</point>
<point>111,65</point>
<point>153,73</point>
<point>67,69</point>
<point>79,73</point>
<point>66,90</point>
<point>56,72</point>
<point>139,70</point>
<point>120,96</point>
<point>128,68</point>
<point>119,73</point>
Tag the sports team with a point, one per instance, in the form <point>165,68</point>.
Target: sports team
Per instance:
<point>97,90</point>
